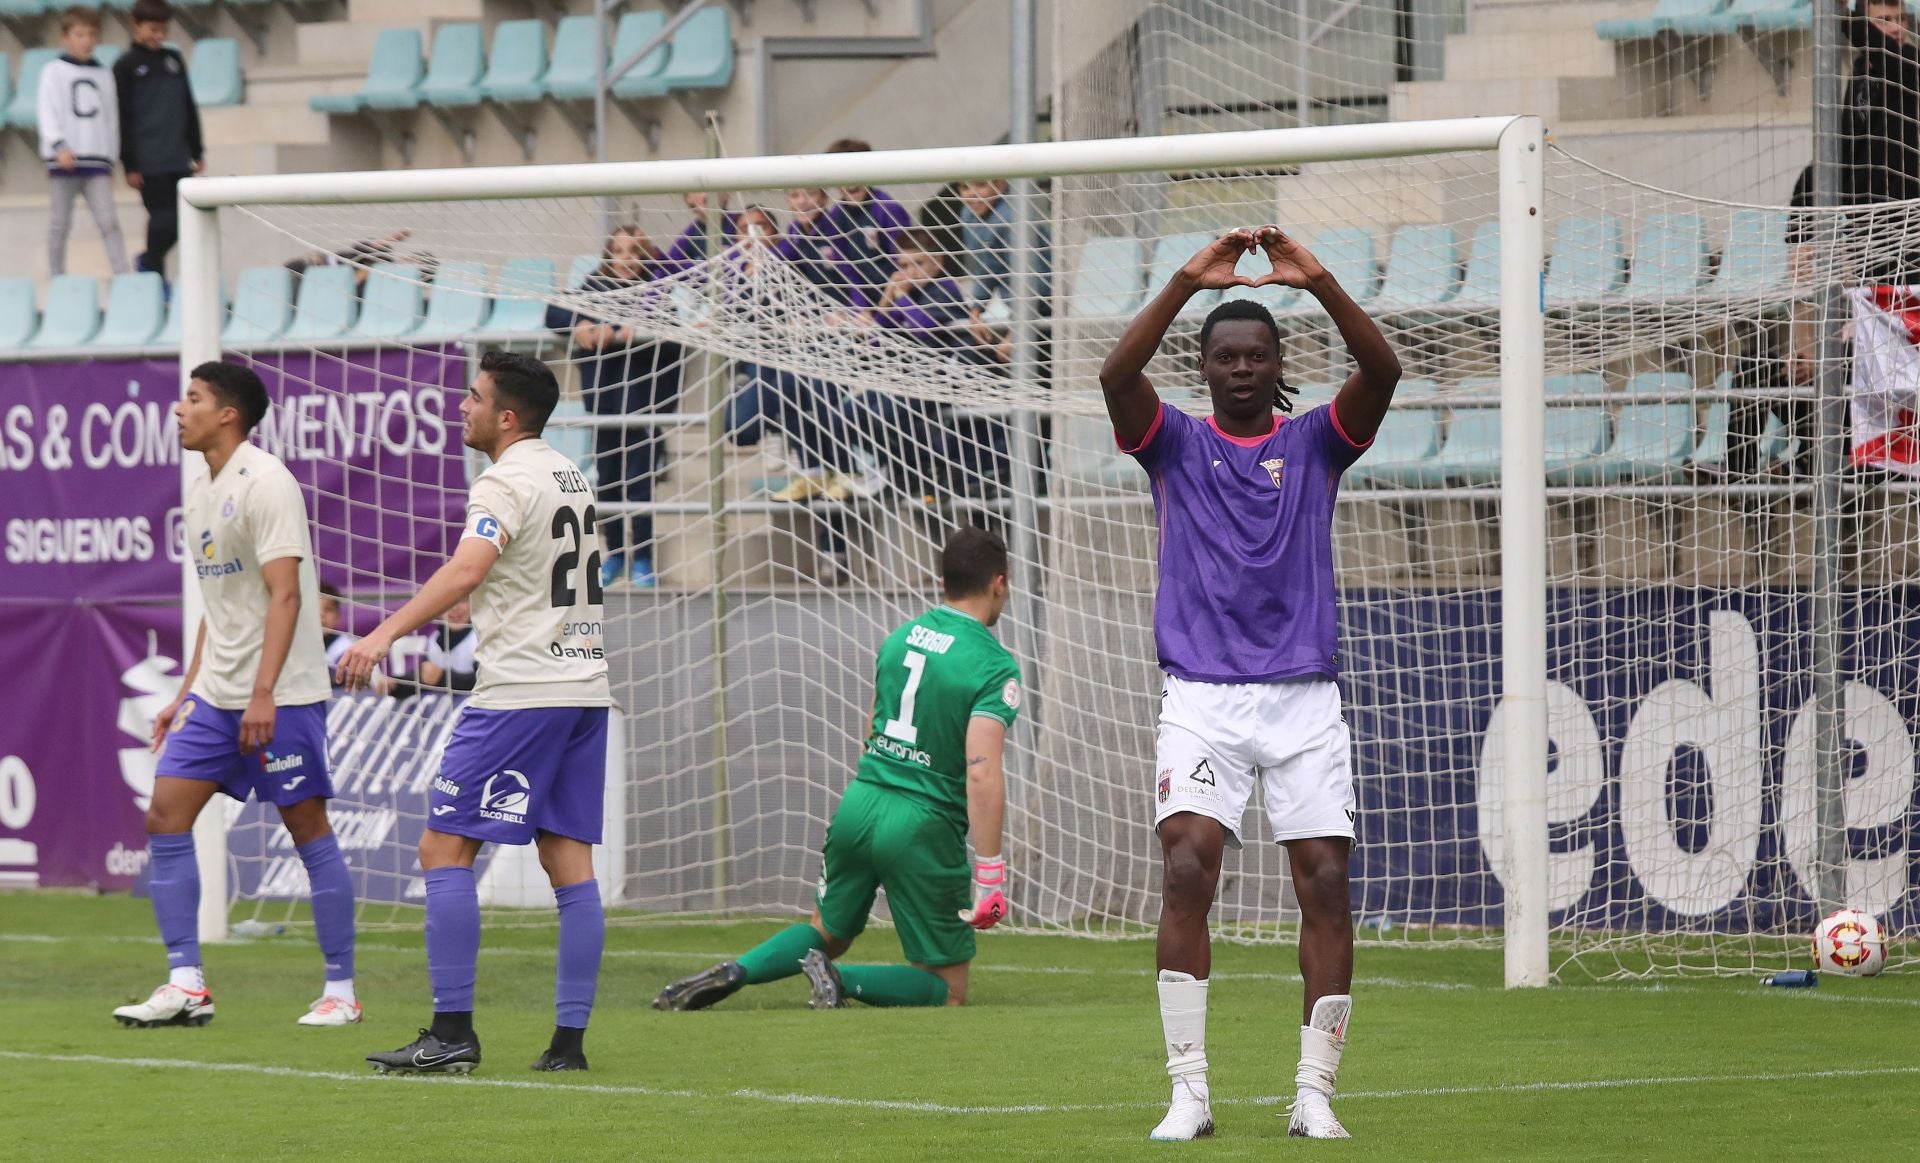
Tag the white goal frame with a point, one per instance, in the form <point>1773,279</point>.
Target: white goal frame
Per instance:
<point>1518,141</point>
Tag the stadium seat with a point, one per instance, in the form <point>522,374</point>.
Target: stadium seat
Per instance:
<point>1405,452</point>
<point>1253,264</point>
<point>582,266</point>
<point>22,9</point>
<point>1669,256</point>
<point>106,54</point>
<point>1755,261</point>
<point>1169,255</point>
<point>634,30</point>
<point>1575,438</point>
<point>1472,450</point>
<point>576,444</point>
<point>1348,254</point>
<point>136,310</point>
<point>1651,443</point>
<point>1481,286</point>
<point>454,70</point>
<point>1589,259</point>
<point>1674,387</point>
<point>1571,384</point>
<point>215,73</point>
<point>1747,15</point>
<point>392,81</point>
<point>1423,269</point>
<point>576,42</point>
<point>1666,14</point>
<point>521,304</point>
<point>169,333</point>
<point>391,303</point>
<point>702,57</point>
<point>19,315</point>
<point>24,112</point>
<point>324,307</point>
<point>1710,454</point>
<point>6,86</point>
<point>1107,281</point>
<point>72,314</point>
<point>458,305</point>
<point>262,306</point>
<point>1416,388</point>
<point>516,69</point>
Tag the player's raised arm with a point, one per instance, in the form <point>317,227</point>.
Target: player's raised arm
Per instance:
<point>986,811</point>
<point>1364,399</point>
<point>1131,401</point>
<point>457,579</point>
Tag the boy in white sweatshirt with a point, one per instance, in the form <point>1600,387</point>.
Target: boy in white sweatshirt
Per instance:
<point>80,138</point>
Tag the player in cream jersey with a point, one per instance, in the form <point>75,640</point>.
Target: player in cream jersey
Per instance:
<point>251,718</point>
<point>527,759</point>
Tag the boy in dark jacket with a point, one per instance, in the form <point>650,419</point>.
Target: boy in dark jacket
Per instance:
<point>159,126</point>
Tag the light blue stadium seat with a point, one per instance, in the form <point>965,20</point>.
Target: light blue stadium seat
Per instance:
<point>1307,397</point>
<point>19,315</point>
<point>136,310</point>
<point>1711,452</point>
<point>1589,259</point>
<point>6,86</point>
<point>170,330</point>
<point>576,44</point>
<point>391,303</point>
<point>1253,265</point>
<point>1675,387</point>
<point>1750,15</point>
<point>1755,261</point>
<point>1651,443</point>
<point>104,55</point>
<point>1107,282</point>
<point>520,304</point>
<point>324,307</point>
<point>1664,18</point>
<point>1472,450</point>
<point>23,8</point>
<point>634,30</point>
<point>392,81</point>
<point>576,444</point>
<point>1416,388</point>
<point>1570,384</point>
<point>1670,256</point>
<point>1575,438</point>
<point>582,266</point>
<point>1348,254</point>
<point>24,112</point>
<point>262,306</point>
<point>1481,286</point>
<point>215,73</point>
<point>1169,255</point>
<point>1405,452</point>
<point>517,67</point>
<point>1423,269</point>
<point>454,70</point>
<point>72,314</point>
<point>702,56</point>
<point>459,302</point>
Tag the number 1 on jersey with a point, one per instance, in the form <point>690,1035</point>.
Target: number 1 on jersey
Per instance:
<point>902,728</point>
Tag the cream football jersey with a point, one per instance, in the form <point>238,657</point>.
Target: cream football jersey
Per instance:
<point>252,513</point>
<point>538,614</point>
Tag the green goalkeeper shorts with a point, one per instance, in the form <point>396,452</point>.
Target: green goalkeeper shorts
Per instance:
<point>918,853</point>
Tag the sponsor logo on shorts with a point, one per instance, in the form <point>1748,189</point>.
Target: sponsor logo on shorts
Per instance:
<point>505,797</point>
<point>1274,468</point>
<point>295,782</point>
<point>445,786</point>
<point>279,763</point>
<point>444,809</point>
<point>1203,773</point>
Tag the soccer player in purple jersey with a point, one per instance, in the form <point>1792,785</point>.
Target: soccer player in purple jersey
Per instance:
<point>1246,629</point>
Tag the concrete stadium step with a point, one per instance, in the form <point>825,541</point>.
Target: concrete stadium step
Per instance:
<point>1494,17</point>
<point>265,123</point>
<point>1550,53</point>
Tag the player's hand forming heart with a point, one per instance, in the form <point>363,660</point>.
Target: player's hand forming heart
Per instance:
<point>1213,268</point>
<point>1293,264</point>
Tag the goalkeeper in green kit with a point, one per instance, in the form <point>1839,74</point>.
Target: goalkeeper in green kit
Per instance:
<point>945,694</point>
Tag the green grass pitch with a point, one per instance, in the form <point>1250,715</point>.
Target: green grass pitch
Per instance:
<point>1058,1057</point>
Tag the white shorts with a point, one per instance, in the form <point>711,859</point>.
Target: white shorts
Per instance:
<point>1218,739</point>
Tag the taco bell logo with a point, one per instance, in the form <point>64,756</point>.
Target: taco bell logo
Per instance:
<point>504,797</point>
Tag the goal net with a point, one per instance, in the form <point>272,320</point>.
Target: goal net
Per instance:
<point>788,394</point>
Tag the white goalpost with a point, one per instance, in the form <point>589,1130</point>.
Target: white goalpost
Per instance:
<point>742,673</point>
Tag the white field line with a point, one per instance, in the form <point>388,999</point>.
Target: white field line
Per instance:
<point>779,1098</point>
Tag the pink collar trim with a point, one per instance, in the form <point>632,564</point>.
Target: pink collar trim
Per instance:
<point>1247,441</point>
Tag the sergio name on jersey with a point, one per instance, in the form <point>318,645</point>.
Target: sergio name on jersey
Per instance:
<point>933,676</point>
<point>538,614</point>
<point>252,513</point>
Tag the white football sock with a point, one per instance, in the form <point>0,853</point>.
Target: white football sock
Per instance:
<point>1183,1018</point>
<point>342,989</point>
<point>1321,1041</point>
<point>187,977</point>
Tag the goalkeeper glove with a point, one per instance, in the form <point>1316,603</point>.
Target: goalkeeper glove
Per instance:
<point>989,900</point>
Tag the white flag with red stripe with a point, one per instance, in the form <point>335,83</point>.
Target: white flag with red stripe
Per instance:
<point>1886,378</point>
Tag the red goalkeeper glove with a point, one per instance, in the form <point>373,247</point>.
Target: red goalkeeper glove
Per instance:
<point>989,898</point>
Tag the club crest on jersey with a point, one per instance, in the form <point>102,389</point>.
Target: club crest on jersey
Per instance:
<point>1274,467</point>
<point>226,510</point>
<point>1166,783</point>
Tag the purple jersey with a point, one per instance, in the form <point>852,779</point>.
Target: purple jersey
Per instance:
<point>1246,546</point>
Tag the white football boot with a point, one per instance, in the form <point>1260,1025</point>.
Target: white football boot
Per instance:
<point>1311,1117</point>
<point>331,1011</point>
<point>1189,1116</point>
<point>169,1005</point>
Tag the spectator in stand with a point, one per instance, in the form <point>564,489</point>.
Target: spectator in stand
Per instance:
<point>336,640</point>
<point>362,256</point>
<point>80,138</point>
<point>986,238</point>
<point>159,127</point>
<point>1770,376</point>
<point>940,217</point>
<point>690,248</point>
<point>449,663</point>
<point>1881,147</point>
<point>623,373</point>
<point>865,226</point>
<point>807,245</point>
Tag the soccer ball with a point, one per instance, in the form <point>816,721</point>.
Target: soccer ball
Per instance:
<point>1852,943</point>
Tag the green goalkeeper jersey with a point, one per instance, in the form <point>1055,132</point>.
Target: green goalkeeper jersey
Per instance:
<point>933,676</point>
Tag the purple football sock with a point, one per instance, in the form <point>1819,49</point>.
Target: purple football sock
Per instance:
<point>583,934</point>
<point>332,896</point>
<point>453,937</point>
<point>175,885</point>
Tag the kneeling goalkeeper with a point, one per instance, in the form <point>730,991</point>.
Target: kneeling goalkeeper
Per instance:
<point>945,694</point>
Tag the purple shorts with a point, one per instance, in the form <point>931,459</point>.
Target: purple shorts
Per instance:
<point>205,744</point>
<point>509,774</point>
